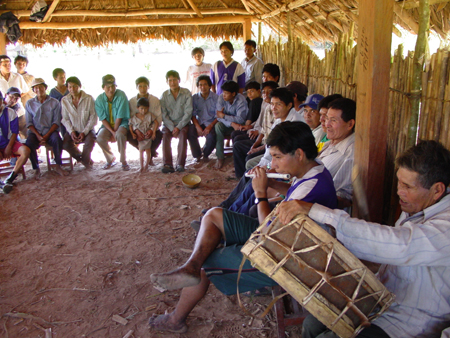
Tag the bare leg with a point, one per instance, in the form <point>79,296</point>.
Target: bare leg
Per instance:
<point>148,153</point>
<point>209,236</point>
<point>24,153</point>
<point>219,163</point>
<point>141,160</point>
<point>176,320</point>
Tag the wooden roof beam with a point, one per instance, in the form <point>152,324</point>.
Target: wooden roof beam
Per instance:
<point>156,11</point>
<point>195,8</point>
<point>289,7</point>
<point>327,17</point>
<point>218,20</point>
<point>406,18</point>
<point>321,26</point>
<point>247,7</point>
<point>48,15</point>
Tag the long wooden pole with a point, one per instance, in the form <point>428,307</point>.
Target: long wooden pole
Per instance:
<point>222,20</point>
<point>2,43</point>
<point>372,97</point>
<point>286,8</point>
<point>156,11</point>
<point>418,61</point>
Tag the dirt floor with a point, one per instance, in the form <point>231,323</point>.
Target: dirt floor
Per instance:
<point>77,252</point>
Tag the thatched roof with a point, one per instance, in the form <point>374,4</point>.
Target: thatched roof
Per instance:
<point>97,22</point>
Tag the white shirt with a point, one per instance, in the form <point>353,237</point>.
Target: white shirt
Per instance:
<point>193,73</point>
<point>82,119</point>
<point>338,159</point>
<point>415,254</point>
<point>15,80</point>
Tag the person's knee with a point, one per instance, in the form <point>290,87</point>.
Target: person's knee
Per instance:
<point>24,151</point>
<point>214,216</point>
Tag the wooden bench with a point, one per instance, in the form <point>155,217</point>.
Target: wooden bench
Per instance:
<point>66,161</point>
<point>6,169</point>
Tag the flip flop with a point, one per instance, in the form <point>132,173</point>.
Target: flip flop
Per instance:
<point>109,165</point>
<point>125,167</point>
<point>156,325</point>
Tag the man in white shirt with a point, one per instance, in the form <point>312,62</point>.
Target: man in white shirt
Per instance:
<point>79,118</point>
<point>414,254</point>
<point>10,79</point>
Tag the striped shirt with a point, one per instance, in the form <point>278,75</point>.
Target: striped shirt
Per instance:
<point>81,119</point>
<point>338,159</point>
<point>416,265</point>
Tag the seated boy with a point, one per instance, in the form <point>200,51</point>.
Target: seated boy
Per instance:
<point>293,152</point>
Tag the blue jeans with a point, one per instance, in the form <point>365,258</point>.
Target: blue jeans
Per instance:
<point>54,141</point>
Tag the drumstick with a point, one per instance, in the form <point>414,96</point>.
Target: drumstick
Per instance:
<point>272,175</point>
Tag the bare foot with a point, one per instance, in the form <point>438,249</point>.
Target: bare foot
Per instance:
<point>176,279</point>
<point>37,174</point>
<point>219,163</point>
<point>205,159</point>
<point>150,162</point>
<point>164,323</point>
<point>60,171</point>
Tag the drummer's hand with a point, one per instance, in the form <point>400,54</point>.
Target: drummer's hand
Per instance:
<point>260,181</point>
<point>286,211</point>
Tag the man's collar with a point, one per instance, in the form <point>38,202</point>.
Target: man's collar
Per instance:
<point>344,144</point>
<point>248,60</point>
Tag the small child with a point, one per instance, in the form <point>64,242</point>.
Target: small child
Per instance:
<point>143,127</point>
<point>196,70</point>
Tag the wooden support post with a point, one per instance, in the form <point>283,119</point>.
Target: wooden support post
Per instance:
<point>247,29</point>
<point>2,43</point>
<point>374,56</point>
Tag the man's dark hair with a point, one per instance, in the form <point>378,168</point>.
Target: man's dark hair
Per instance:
<point>250,43</point>
<point>204,77</point>
<point>198,50</point>
<point>283,94</point>
<point>347,106</point>
<point>21,58</point>
<point>142,79</point>
<point>289,136</point>
<point>430,159</point>
<point>73,79</point>
<point>172,73</point>
<point>327,100</point>
<point>253,85</point>
<point>272,69</point>
<point>271,84</point>
<point>57,71</point>
<point>228,45</point>
<point>230,86</point>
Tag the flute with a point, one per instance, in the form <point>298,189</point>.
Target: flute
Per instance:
<point>272,175</point>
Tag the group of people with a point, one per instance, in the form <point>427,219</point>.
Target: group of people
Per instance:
<point>273,129</point>
<point>311,138</point>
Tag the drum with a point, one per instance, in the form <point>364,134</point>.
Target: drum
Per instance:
<point>319,272</point>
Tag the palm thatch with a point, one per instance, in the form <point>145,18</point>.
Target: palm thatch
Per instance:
<point>98,22</point>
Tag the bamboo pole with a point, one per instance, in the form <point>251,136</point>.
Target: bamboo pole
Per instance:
<point>222,20</point>
<point>155,11</point>
<point>419,55</point>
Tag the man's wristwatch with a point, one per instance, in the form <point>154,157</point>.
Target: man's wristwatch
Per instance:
<point>257,200</point>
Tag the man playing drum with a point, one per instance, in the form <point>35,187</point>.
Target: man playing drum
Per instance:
<point>415,253</point>
<point>293,152</point>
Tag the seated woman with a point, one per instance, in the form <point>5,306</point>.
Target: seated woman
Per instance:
<point>293,152</point>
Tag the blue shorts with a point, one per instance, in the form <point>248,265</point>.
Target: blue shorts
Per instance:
<point>222,266</point>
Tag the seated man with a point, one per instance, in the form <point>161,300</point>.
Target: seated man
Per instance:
<point>113,111</point>
<point>312,116</point>
<point>143,85</point>
<point>43,115</point>
<point>176,107</point>
<point>203,118</point>
<point>9,147</point>
<point>79,118</point>
<point>231,113</point>
<point>414,253</point>
<point>294,151</point>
